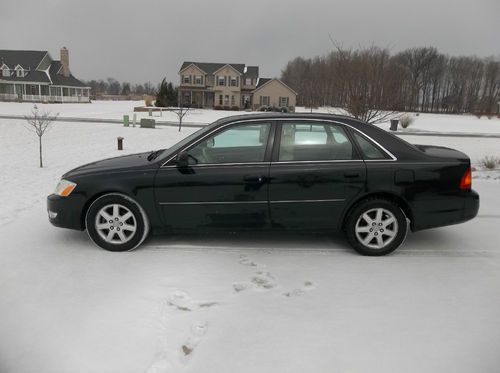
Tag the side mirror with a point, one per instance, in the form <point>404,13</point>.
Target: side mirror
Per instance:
<point>182,159</point>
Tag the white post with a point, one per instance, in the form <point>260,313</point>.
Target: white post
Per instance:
<point>135,119</point>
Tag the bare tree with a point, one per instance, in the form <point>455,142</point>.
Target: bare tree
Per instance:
<point>39,123</point>
<point>181,112</point>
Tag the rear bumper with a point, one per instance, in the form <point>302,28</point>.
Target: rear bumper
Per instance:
<point>66,212</point>
<point>449,210</point>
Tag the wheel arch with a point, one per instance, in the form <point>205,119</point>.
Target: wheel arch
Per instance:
<point>100,194</point>
<point>398,200</point>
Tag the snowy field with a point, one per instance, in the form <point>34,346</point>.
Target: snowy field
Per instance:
<point>116,110</point>
<point>234,303</point>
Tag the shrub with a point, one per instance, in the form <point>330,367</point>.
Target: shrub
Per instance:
<point>235,108</point>
<point>263,108</point>
<point>217,107</point>
<point>226,108</point>
<point>478,114</point>
<point>284,109</point>
<point>489,162</point>
<point>291,109</point>
<point>406,120</point>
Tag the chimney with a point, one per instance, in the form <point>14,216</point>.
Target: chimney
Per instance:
<point>65,61</point>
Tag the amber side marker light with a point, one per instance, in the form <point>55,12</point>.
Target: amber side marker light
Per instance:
<point>64,188</point>
<point>466,182</point>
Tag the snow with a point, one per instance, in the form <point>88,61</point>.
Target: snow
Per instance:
<point>232,302</point>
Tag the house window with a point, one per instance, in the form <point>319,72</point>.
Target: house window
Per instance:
<point>248,81</point>
<point>232,100</point>
<point>221,80</point>
<point>226,99</point>
<point>234,82</point>
<point>198,79</point>
<point>19,72</point>
<point>221,100</point>
<point>283,101</point>
<point>265,100</point>
<point>186,79</point>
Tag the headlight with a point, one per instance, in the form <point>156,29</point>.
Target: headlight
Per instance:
<point>64,188</point>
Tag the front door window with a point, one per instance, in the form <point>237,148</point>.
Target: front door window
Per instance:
<point>242,143</point>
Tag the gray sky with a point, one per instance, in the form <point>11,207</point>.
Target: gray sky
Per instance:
<point>139,41</point>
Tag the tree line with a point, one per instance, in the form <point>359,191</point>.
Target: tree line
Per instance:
<point>416,79</point>
<point>112,86</point>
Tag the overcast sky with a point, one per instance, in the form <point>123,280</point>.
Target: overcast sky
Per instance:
<point>138,41</point>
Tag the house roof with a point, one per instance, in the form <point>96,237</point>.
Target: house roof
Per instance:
<point>29,61</point>
<point>251,72</point>
<point>211,67</point>
<point>263,81</point>
<point>59,79</point>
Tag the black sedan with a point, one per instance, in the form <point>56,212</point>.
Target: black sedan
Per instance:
<point>271,171</point>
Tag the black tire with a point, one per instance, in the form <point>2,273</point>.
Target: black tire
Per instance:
<point>138,220</point>
<point>356,218</point>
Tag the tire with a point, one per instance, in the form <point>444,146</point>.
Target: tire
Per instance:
<point>115,222</point>
<point>376,227</point>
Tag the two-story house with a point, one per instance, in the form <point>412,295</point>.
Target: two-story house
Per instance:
<point>35,76</point>
<point>216,84</point>
<point>228,86</point>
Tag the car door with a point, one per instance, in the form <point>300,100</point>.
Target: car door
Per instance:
<point>225,184</point>
<point>315,172</point>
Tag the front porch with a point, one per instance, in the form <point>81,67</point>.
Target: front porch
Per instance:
<point>196,98</point>
<point>43,93</point>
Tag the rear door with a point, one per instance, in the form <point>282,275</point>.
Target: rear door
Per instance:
<point>315,172</point>
<point>225,184</point>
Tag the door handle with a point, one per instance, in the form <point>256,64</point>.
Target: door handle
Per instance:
<point>254,179</point>
<point>351,175</point>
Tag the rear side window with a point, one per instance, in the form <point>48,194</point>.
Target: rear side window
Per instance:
<point>304,141</point>
<point>369,150</point>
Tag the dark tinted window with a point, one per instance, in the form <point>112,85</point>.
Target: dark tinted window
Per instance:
<point>370,150</point>
<point>242,143</point>
<point>302,141</point>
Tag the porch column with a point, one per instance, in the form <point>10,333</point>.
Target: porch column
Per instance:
<point>191,98</point>
<point>203,99</point>
<point>39,91</point>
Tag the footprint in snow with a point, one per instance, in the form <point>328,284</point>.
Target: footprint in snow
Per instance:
<point>198,330</point>
<point>260,281</point>
<point>297,292</point>
<point>183,302</point>
<point>244,260</point>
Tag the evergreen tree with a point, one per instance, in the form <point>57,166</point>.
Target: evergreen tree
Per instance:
<point>167,94</point>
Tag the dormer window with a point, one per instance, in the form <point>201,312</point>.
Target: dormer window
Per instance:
<point>19,71</point>
<point>5,71</point>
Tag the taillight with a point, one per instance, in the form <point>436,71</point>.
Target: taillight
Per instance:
<point>466,182</point>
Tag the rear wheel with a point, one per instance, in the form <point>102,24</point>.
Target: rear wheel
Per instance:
<point>116,222</point>
<point>376,227</point>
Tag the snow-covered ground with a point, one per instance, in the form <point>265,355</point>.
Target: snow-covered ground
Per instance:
<point>233,303</point>
<point>116,110</point>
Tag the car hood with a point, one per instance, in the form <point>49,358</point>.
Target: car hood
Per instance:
<point>116,164</point>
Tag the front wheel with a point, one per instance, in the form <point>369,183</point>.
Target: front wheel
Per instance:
<point>116,222</point>
<point>376,227</point>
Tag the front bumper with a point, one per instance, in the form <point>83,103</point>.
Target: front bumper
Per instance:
<point>66,212</point>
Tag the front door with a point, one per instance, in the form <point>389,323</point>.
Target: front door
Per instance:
<point>226,182</point>
<point>315,172</point>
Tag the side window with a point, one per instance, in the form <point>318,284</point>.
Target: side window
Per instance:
<point>369,150</point>
<point>242,143</point>
<point>314,142</point>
